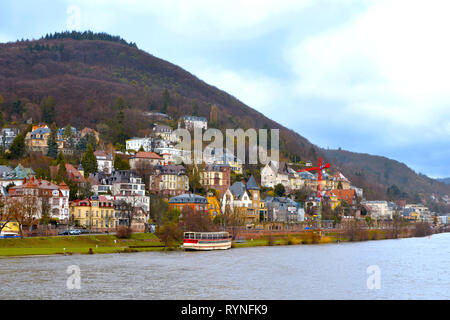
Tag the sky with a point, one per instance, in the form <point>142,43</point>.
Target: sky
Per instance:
<point>369,76</point>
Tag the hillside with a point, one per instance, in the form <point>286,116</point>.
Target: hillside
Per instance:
<point>381,172</point>
<point>85,77</point>
<point>444,180</point>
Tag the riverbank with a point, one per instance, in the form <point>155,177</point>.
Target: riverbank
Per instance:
<point>311,237</point>
<point>82,244</point>
<point>142,242</point>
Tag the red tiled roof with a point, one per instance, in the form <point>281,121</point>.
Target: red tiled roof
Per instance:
<point>63,185</point>
<point>344,194</point>
<point>148,155</point>
<point>100,153</point>
<point>72,173</point>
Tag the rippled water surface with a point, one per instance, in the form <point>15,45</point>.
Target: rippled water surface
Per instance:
<point>415,268</point>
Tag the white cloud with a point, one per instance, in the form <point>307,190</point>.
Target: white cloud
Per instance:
<point>205,18</point>
<point>256,90</point>
<point>74,18</point>
<point>389,65</point>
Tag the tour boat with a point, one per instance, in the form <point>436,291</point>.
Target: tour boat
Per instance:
<point>206,241</point>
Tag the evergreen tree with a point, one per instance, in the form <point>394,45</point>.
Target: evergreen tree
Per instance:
<point>82,144</point>
<point>60,158</point>
<point>52,142</point>
<point>117,129</point>
<point>89,161</point>
<point>67,132</point>
<point>119,104</point>
<point>18,148</point>
<point>194,179</point>
<point>48,110</point>
<point>121,164</point>
<point>166,101</point>
<point>213,114</point>
<point>279,190</point>
<point>92,140</point>
<point>3,143</point>
<point>2,119</point>
<point>195,110</point>
<point>62,171</point>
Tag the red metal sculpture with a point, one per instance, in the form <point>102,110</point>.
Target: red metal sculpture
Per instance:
<point>319,169</point>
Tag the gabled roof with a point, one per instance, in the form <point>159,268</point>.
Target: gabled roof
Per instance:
<point>188,198</point>
<point>237,189</point>
<point>162,128</point>
<point>171,169</point>
<point>306,175</point>
<point>345,194</point>
<point>72,173</point>
<point>194,118</point>
<point>251,184</point>
<point>19,173</point>
<point>103,154</point>
<point>339,176</point>
<point>284,201</point>
<point>147,155</point>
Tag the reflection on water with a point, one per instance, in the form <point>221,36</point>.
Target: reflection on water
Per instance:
<point>415,268</point>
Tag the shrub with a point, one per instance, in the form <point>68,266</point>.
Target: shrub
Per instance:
<point>169,233</point>
<point>422,229</point>
<point>123,232</point>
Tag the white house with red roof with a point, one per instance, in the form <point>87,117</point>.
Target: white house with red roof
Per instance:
<point>145,158</point>
<point>55,197</point>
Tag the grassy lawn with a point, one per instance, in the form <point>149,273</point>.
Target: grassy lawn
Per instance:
<point>79,244</point>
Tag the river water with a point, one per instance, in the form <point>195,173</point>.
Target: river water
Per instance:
<point>414,268</point>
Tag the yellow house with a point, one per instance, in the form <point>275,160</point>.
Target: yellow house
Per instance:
<point>36,140</point>
<point>96,213</point>
<point>213,205</point>
<point>235,166</point>
<point>334,200</point>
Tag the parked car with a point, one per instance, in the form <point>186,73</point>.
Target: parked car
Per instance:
<point>75,232</point>
<point>63,233</point>
<point>84,230</point>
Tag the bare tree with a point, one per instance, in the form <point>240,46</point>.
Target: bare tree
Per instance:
<point>5,214</point>
<point>131,211</point>
<point>144,170</point>
<point>196,221</point>
<point>30,210</point>
<point>23,210</point>
<point>45,210</point>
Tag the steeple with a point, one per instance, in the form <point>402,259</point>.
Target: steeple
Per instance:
<point>251,184</point>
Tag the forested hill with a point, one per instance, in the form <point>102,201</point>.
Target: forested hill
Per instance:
<point>85,77</point>
<point>444,180</point>
<point>382,172</point>
<point>85,73</point>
